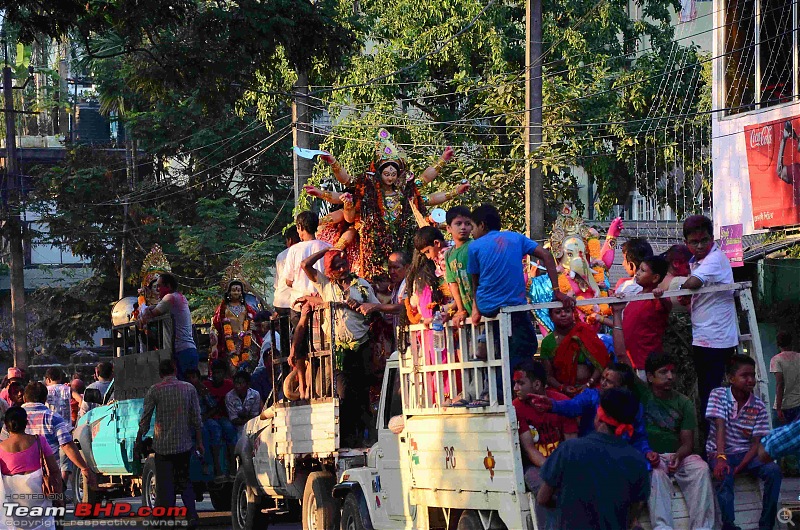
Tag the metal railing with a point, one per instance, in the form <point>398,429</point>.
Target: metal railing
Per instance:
<point>470,367</point>
<point>318,343</point>
<point>137,353</point>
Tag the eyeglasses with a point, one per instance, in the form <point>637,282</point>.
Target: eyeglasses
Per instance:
<point>701,242</point>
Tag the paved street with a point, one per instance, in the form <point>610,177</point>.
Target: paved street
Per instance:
<point>209,519</point>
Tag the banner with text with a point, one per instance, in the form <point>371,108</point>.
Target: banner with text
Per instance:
<point>731,244</point>
<point>773,161</point>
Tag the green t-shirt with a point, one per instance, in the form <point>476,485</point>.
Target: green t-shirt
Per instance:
<point>666,418</point>
<point>456,272</point>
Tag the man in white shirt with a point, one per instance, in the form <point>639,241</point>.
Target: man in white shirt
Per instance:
<point>715,335</point>
<point>283,293</point>
<point>295,278</point>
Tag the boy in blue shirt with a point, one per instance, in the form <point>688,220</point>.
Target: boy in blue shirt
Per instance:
<point>495,266</point>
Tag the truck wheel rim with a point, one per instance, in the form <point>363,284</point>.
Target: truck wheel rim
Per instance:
<point>241,508</point>
<point>79,488</point>
<point>312,513</point>
<point>350,523</point>
<point>151,489</point>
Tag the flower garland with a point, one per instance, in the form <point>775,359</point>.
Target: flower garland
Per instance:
<point>239,351</point>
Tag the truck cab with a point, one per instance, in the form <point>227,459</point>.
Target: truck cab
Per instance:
<point>439,466</point>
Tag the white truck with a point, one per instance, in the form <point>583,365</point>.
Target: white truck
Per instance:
<point>439,467</point>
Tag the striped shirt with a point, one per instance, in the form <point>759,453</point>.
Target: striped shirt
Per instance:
<point>249,407</point>
<point>741,425</point>
<point>177,410</point>
<point>41,420</point>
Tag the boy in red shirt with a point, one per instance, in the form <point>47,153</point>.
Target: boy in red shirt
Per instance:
<point>644,321</point>
<point>539,432</point>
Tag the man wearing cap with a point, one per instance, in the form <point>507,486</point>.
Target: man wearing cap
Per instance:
<point>13,374</point>
<point>348,292</point>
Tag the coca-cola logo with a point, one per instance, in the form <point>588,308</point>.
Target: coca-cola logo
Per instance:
<point>761,137</point>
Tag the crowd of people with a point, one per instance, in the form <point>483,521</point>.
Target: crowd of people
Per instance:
<point>603,430</point>
<point>578,384</point>
<point>37,450</point>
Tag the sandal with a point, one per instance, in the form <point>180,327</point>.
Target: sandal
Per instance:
<point>478,403</point>
<point>460,403</point>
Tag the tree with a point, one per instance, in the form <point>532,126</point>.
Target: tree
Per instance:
<point>184,79</point>
<point>453,74</point>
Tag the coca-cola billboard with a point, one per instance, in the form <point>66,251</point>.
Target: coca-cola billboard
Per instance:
<point>773,162</point>
<point>761,137</point>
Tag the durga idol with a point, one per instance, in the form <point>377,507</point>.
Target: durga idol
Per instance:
<point>383,207</point>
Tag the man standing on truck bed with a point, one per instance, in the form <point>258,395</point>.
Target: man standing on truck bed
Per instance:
<point>494,262</point>
<point>351,330</point>
<point>174,303</point>
<point>177,411</point>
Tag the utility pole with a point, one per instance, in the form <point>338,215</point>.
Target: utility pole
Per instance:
<point>13,226</point>
<point>534,187</point>
<point>131,174</point>
<point>300,132</point>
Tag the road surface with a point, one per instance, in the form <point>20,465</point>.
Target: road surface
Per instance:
<point>209,519</point>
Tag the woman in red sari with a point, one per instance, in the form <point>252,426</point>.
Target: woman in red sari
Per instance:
<point>573,354</point>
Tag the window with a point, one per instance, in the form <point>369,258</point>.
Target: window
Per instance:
<point>760,53</point>
<point>393,404</point>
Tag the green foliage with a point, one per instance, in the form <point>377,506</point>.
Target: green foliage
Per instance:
<point>793,252</point>
<point>184,79</point>
<point>450,83</point>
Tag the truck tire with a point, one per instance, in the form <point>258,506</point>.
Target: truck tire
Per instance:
<point>319,506</point>
<point>470,520</point>
<point>149,482</point>
<point>245,515</point>
<point>83,493</point>
<point>221,497</point>
<point>351,516</point>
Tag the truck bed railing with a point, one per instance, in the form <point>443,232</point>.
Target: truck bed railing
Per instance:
<point>318,342</point>
<point>137,353</point>
<point>470,367</point>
